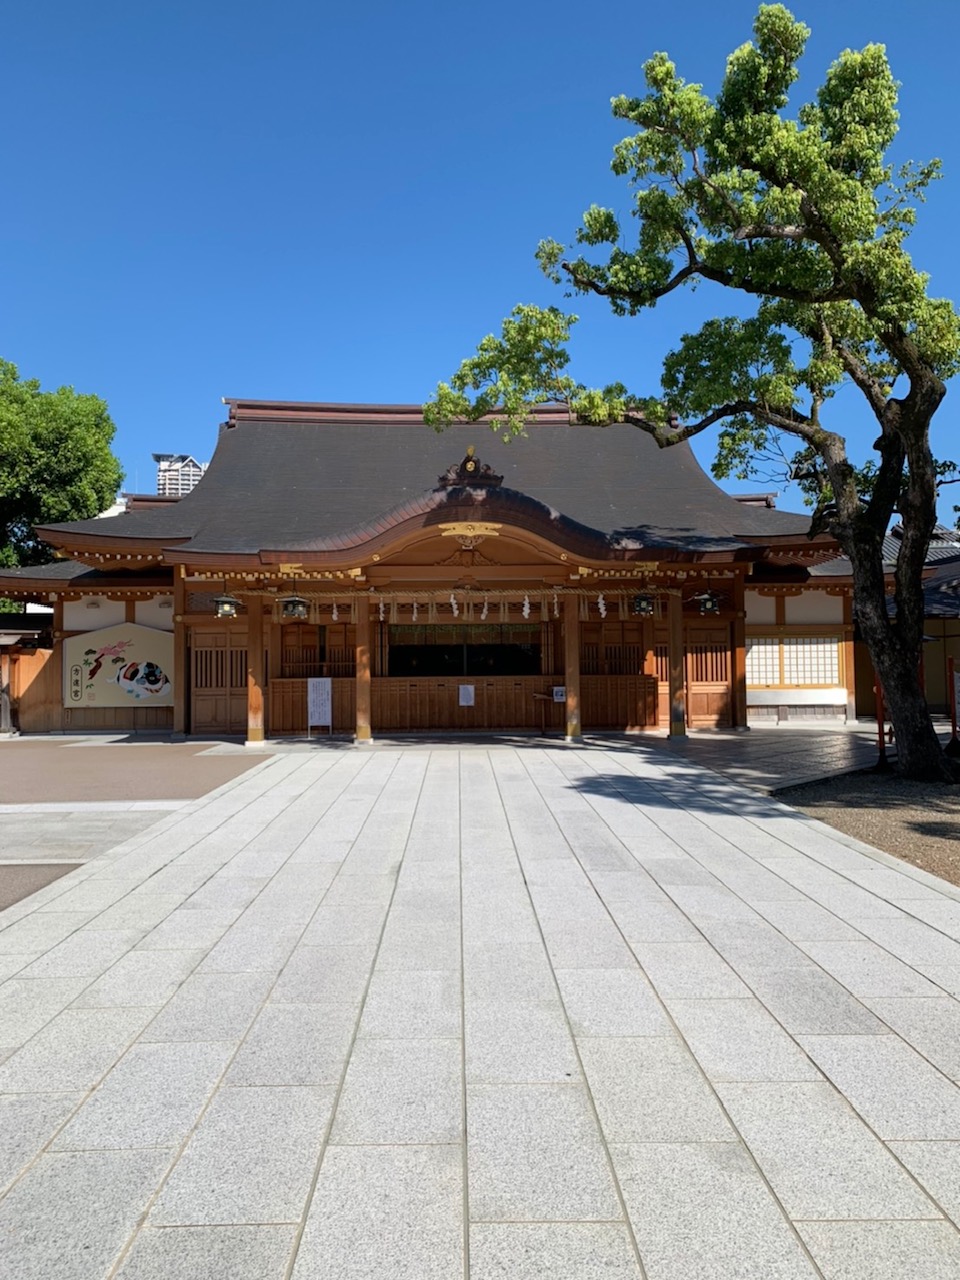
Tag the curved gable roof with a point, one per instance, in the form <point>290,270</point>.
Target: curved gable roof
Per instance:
<point>293,477</point>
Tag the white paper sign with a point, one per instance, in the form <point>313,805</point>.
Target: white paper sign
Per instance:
<point>559,693</point>
<point>467,695</point>
<point>320,702</point>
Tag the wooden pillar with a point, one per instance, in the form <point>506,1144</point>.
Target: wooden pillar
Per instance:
<point>181,675</point>
<point>649,647</point>
<point>57,658</point>
<point>651,695</point>
<point>6,721</point>
<point>849,666</point>
<point>675,656</point>
<point>738,669</point>
<point>571,664</point>
<point>255,671</point>
<point>364,732</point>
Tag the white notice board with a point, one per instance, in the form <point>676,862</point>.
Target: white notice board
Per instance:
<point>559,693</point>
<point>320,702</point>
<point>467,695</point>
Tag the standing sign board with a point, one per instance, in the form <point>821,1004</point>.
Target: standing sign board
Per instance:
<point>319,703</point>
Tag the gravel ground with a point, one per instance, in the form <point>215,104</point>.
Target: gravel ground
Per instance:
<point>916,821</point>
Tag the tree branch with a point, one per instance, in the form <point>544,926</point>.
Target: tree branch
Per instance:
<point>674,433</point>
<point>887,483</point>
<point>869,385</point>
<point>838,291</point>
<point>763,231</point>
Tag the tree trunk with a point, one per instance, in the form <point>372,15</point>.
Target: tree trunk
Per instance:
<point>896,653</point>
<point>919,753</point>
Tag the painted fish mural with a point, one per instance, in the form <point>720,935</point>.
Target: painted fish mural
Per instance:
<point>142,679</point>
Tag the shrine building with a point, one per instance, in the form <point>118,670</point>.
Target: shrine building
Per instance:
<point>577,578</point>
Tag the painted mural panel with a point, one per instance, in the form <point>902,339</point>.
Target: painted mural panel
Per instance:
<point>121,666</point>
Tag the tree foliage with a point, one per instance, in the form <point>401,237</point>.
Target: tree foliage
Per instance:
<point>805,214</point>
<point>55,462</point>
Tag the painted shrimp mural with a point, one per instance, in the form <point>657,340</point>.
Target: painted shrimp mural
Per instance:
<point>93,658</point>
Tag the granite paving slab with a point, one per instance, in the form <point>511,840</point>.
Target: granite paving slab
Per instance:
<point>702,1211</point>
<point>819,1156</point>
<point>251,1159</point>
<point>215,1253</point>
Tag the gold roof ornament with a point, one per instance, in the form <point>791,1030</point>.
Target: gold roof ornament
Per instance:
<point>470,473</point>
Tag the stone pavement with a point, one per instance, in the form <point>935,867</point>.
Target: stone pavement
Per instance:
<point>490,1012</point>
<point>771,758</point>
<point>64,800</point>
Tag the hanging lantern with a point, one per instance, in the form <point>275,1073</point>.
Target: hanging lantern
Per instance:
<point>642,606</point>
<point>709,602</point>
<point>294,608</point>
<point>226,606</point>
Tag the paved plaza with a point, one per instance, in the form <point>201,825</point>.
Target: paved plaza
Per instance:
<point>494,1012</point>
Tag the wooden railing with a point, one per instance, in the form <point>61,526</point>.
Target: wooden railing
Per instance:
<point>288,707</point>
<point>618,702</point>
<point>501,702</point>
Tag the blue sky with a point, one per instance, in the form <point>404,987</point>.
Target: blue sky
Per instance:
<point>301,202</point>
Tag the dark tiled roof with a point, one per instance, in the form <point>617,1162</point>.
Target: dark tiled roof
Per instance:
<point>838,567</point>
<point>944,546</point>
<point>941,591</point>
<point>299,477</point>
<point>77,575</point>
<point>55,571</point>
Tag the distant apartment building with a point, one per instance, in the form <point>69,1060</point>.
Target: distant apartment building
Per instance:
<point>177,473</point>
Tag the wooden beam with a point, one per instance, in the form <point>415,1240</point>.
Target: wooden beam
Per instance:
<point>571,664</point>
<point>678,694</point>
<point>364,730</point>
<point>255,671</point>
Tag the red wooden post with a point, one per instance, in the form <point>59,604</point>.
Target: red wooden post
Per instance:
<point>953,746</point>
<point>882,762</point>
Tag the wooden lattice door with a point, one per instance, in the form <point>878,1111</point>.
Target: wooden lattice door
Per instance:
<point>218,681</point>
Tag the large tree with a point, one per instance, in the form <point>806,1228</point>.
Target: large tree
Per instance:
<point>55,462</point>
<point>803,216</point>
